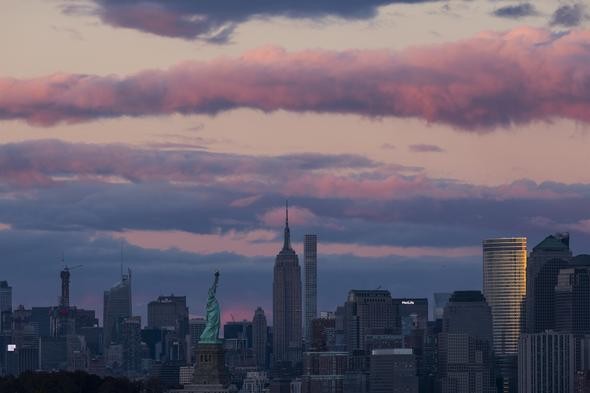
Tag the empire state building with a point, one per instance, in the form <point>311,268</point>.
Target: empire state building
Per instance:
<point>286,299</point>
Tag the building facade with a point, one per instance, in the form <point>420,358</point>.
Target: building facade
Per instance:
<point>546,363</point>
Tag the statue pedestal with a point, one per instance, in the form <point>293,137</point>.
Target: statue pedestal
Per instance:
<point>210,368</point>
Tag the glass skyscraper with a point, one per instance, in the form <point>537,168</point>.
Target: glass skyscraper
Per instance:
<point>504,287</point>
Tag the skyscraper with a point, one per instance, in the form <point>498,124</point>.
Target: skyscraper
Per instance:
<point>169,312</point>
<point>572,297</point>
<point>287,323</point>
<point>504,287</point>
<point>117,307</point>
<point>393,370</point>
<point>543,265</point>
<point>259,338</point>
<point>367,312</point>
<point>465,358</point>
<point>310,249</point>
<point>5,304</point>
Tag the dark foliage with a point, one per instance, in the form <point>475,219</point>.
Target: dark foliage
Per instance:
<point>77,382</point>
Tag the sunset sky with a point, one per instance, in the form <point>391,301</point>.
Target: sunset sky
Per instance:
<point>403,133</point>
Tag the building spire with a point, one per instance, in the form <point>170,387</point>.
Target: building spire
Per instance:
<point>287,243</point>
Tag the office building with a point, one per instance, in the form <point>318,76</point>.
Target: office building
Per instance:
<point>546,363</point>
<point>572,297</point>
<point>131,345</point>
<point>259,339</point>
<point>411,314</point>
<point>117,307</point>
<point>310,264</point>
<point>239,330</point>
<point>543,266</point>
<point>367,312</point>
<point>169,312</point>
<point>195,327</point>
<point>5,305</point>
<point>323,372</point>
<point>287,315</point>
<point>393,371</point>
<point>323,332</point>
<point>465,356</point>
<point>504,287</point>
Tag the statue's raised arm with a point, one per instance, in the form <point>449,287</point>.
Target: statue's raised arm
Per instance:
<point>211,332</point>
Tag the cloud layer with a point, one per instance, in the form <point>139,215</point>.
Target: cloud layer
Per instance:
<point>492,80</point>
<point>215,21</point>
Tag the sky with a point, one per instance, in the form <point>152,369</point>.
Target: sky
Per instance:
<point>167,134</point>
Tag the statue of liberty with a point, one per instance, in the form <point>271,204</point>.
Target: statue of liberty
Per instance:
<point>211,333</point>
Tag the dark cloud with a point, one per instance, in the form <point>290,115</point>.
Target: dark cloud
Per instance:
<point>425,148</point>
<point>569,15</point>
<point>516,11</point>
<point>215,21</point>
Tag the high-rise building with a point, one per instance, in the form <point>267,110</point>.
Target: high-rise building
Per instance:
<point>131,342</point>
<point>323,332</point>
<point>572,297</point>
<point>287,316</point>
<point>543,265</point>
<point>393,371</point>
<point>239,330</point>
<point>117,307</point>
<point>465,356</point>
<point>546,363</point>
<point>310,264</point>
<point>367,312</point>
<point>259,339</point>
<point>504,287</point>
<point>5,304</point>
<point>5,296</point>
<point>169,312</point>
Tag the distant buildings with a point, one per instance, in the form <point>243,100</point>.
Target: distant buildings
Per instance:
<point>504,287</point>
<point>287,313</point>
<point>310,250</point>
<point>5,305</point>
<point>260,339</point>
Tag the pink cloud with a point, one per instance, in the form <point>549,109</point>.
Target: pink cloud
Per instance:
<point>493,79</point>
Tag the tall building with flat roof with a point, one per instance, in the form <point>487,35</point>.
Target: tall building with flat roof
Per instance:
<point>544,263</point>
<point>310,264</point>
<point>504,287</point>
<point>117,307</point>
<point>286,299</point>
<point>169,312</point>
<point>5,304</point>
<point>367,312</point>
<point>465,356</point>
